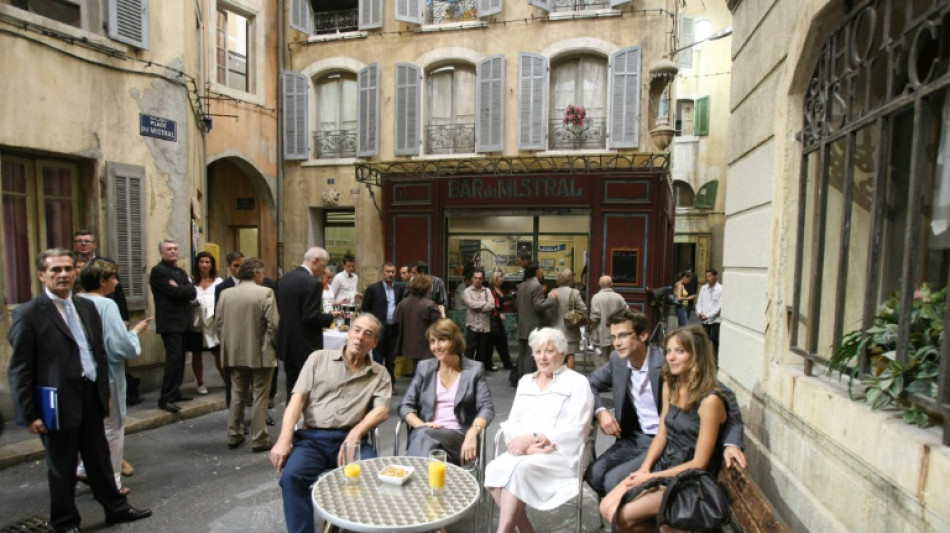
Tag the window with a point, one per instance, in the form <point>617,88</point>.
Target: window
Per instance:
<point>443,11</point>
<point>335,16</point>
<point>874,214</point>
<point>692,117</point>
<point>339,234</point>
<point>335,133</point>
<point>232,50</point>
<point>683,194</point>
<point>126,20</point>
<point>331,17</point>
<point>555,6</point>
<point>40,211</point>
<point>579,82</point>
<point>450,112</point>
<point>685,37</point>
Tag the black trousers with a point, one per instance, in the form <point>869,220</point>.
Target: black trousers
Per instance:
<point>713,331</point>
<point>385,351</point>
<point>483,349</point>
<point>63,448</point>
<point>174,366</point>
<point>499,341</point>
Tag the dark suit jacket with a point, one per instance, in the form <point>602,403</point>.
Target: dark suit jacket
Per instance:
<point>46,355</point>
<point>615,375</point>
<point>374,300</point>
<point>173,305</point>
<point>300,303</point>
<point>472,400</point>
<point>226,284</point>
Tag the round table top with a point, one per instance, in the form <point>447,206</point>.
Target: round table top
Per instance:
<point>372,506</point>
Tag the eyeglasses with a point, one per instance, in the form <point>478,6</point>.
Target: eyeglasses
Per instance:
<point>622,336</point>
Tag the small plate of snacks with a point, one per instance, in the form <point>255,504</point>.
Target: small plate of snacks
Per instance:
<point>396,474</point>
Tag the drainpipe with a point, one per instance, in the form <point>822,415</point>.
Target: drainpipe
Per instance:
<point>280,145</point>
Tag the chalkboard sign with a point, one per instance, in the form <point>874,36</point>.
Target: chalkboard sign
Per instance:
<point>624,266</point>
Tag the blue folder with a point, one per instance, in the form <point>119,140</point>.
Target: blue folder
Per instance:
<point>47,400</point>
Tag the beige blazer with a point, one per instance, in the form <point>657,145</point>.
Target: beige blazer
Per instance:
<point>246,321</point>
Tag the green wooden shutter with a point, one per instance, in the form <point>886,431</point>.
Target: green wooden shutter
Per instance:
<point>701,116</point>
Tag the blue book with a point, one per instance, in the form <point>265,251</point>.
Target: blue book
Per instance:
<point>47,400</point>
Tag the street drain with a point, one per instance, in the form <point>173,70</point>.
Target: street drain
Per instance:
<point>34,524</point>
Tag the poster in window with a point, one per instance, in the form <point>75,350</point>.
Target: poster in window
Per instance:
<point>624,266</point>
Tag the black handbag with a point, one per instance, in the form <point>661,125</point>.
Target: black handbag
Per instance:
<point>694,501</point>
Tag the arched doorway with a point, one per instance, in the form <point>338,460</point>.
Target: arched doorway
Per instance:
<point>241,212</point>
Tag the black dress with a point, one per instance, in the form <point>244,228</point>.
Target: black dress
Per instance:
<point>682,432</point>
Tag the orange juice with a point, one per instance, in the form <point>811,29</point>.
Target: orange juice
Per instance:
<point>352,470</point>
<point>436,475</point>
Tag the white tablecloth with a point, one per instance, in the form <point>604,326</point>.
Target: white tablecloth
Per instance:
<point>333,339</point>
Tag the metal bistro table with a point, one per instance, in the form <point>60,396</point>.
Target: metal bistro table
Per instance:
<point>374,506</point>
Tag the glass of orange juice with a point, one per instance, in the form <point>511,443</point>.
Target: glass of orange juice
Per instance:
<point>351,463</point>
<point>437,467</point>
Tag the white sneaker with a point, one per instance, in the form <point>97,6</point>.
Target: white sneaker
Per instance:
<point>202,390</point>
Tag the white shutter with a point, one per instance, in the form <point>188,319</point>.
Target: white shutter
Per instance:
<point>408,81</point>
<point>409,11</point>
<point>685,37</point>
<point>301,16</point>
<point>125,197</point>
<point>490,99</point>
<point>488,7</point>
<point>625,98</point>
<point>532,101</point>
<point>615,3</point>
<point>128,22</point>
<point>295,88</point>
<point>543,4</point>
<point>367,111</point>
<point>371,14</point>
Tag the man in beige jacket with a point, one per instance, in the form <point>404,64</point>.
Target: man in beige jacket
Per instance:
<point>605,303</point>
<point>246,319</point>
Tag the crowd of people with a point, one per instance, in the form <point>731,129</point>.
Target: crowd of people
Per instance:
<point>670,413</point>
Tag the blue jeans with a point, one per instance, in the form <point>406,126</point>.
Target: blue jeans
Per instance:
<point>682,315</point>
<point>315,451</point>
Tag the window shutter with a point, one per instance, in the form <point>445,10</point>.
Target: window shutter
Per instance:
<point>615,3</point>
<point>543,4</point>
<point>532,101</point>
<point>685,37</point>
<point>371,14</point>
<point>490,100</point>
<point>295,117</point>
<point>409,11</point>
<point>367,111</point>
<point>301,16</point>
<point>407,109</point>
<point>701,116</point>
<point>625,98</point>
<point>488,7</point>
<point>128,22</point>
<point>126,211</point>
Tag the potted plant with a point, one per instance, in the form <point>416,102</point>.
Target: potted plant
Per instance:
<point>889,380</point>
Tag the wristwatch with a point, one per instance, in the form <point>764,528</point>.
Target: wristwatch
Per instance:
<point>536,439</point>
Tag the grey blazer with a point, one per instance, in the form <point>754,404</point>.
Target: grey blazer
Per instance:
<point>472,400</point>
<point>615,375</point>
<point>531,305</point>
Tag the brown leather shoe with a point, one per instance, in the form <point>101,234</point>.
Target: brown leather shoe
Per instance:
<point>127,469</point>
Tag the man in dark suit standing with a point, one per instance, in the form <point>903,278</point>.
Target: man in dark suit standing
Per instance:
<point>300,306</point>
<point>233,260</point>
<point>57,342</point>
<point>174,294</point>
<point>381,299</point>
<point>532,306</point>
<point>633,373</point>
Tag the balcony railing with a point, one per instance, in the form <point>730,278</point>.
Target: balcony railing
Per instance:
<point>444,11</point>
<point>450,139</point>
<point>336,21</point>
<point>579,5</point>
<point>591,136</point>
<point>332,144</point>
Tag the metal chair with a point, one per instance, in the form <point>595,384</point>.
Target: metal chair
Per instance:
<point>478,471</point>
<point>587,449</point>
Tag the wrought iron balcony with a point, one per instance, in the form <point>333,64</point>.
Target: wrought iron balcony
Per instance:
<point>444,11</point>
<point>336,21</point>
<point>450,139</point>
<point>579,5</point>
<point>332,144</point>
<point>591,136</point>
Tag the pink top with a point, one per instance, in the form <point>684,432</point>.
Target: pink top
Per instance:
<point>445,405</point>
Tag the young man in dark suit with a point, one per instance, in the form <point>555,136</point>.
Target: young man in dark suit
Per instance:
<point>633,374</point>
<point>174,294</point>
<point>381,299</point>
<point>300,305</point>
<point>57,342</point>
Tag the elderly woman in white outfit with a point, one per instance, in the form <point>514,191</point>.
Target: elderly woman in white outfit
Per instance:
<point>549,421</point>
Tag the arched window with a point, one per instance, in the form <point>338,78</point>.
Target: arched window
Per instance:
<point>683,195</point>
<point>578,103</point>
<point>334,133</point>
<point>450,109</point>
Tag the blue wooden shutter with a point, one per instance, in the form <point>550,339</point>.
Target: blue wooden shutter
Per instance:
<point>408,108</point>
<point>625,98</point>
<point>128,22</point>
<point>409,11</point>
<point>532,101</point>
<point>371,14</point>
<point>543,4</point>
<point>301,16</point>
<point>125,199</point>
<point>488,7</point>
<point>367,111</point>
<point>295,88</point>
<point>490,102</point>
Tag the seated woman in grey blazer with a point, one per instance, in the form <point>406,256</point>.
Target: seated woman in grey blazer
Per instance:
<point>448,402</point>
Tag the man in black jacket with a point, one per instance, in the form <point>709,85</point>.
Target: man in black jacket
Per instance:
<point>174,294</point>
<point>57,343</point>
<point>381,299</point>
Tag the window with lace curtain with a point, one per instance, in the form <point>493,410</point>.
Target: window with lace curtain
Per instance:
<point>450,112</point>
<point>335,116</point>
<point>579,81</point>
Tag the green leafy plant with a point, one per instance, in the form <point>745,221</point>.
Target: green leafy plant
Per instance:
<point>890,381</point>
